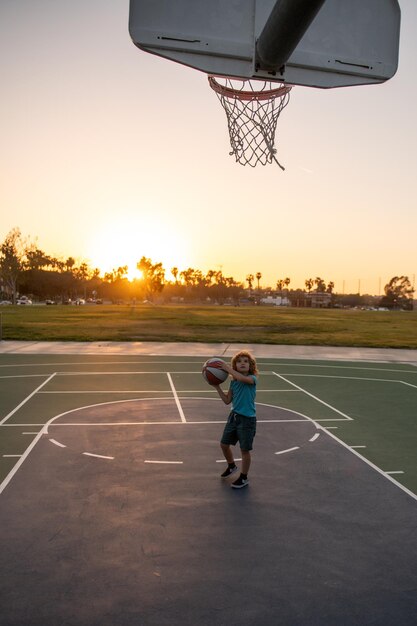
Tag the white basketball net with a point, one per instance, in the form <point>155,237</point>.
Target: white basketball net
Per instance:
<point>252,116</point>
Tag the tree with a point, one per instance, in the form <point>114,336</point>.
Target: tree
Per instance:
<point>398,294</point>
<point>153,277</point>
<point>280,285</point>
<point>174,272</point>
<point>249,280</point>
<point>12,261</point>
<point>309,284</point>
<point>258,278</point>
<point>320,284</point>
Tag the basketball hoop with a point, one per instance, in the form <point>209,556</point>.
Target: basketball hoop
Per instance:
<point>252,117</point>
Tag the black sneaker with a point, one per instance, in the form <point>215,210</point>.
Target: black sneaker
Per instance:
<point>240,482</point>
<point>228,472</point>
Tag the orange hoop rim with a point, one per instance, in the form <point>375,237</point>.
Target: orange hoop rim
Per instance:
<point>230,92</point>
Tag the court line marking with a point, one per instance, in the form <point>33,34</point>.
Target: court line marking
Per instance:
<point>77,392</point>
<point>315,397</point>
<point>25,376</point>
<point>288,450</point>
<point>165,462</point>
<point>177,402</point>
<point>57,443</point>
<point>358,447</point>
<point>408,384</point>
<point>45,382</point>
<point>395,472</point>
<point>11,456</point>
<point>99,456</point>
<point>314,437</point>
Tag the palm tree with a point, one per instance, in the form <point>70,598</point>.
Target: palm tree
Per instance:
<point>320,284</point>
<point>249,279</point>
<point>280,285</point>
<point>258,277</point>
<point>174,272</point>
<point>309,284</point>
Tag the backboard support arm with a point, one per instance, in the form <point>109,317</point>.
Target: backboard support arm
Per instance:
<point>285,27</point>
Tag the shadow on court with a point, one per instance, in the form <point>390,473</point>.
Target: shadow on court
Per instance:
<point>146,533</point>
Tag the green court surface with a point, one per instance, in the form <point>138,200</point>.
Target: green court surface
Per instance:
<point>370,407</point>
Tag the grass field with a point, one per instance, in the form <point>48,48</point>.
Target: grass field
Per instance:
<point>249,324</point>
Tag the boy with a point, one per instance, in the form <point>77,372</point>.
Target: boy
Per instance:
<point>241,423</point>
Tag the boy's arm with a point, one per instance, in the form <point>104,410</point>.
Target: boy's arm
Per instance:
<point>249,380</point>
<point>226,397</point>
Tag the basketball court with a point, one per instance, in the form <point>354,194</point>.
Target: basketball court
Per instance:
<point>112,506</point>
<point>113,511</point>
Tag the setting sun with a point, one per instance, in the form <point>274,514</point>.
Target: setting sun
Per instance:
<point>120,244</point>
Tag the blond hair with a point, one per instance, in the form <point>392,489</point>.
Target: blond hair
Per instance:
<point>253,369</point>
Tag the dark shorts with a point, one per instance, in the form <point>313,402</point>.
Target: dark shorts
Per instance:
<point>239,428</point>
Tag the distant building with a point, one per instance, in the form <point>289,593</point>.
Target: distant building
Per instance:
<point>318,299</point>
<point>276,301</point>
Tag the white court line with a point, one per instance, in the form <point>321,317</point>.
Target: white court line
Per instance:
<point>76,392</point>
<point>408,384</point>
<point>30,433</point>
<point>100,391</point>
<point>25,376</point>
<point>314,437</point>
<point>57,443</point>
<point>177,402</point>
<point>358,447</point>
<point>45,382</point>
<point>288,450</point>
<point>11,456</point>
<point>99,456</point>
<point>395,472</point>
<point>166,462</point>
<point>224,460</point>
<point>314,397</point>
<point>375,380</point>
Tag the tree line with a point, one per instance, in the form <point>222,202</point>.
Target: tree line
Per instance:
<point>26,269</point>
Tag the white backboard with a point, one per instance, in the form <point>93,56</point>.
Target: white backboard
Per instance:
<point>350,42</point>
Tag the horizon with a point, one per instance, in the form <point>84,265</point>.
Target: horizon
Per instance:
<point>133,274</point>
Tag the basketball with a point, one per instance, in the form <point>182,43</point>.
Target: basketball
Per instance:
<point>213,373</point>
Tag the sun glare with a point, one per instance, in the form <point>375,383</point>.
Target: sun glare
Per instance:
<point>119,245</point>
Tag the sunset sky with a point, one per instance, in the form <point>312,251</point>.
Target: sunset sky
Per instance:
<point>108,154</point>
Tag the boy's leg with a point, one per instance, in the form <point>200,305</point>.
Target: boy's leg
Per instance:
<point>242,481</point>
<point>228,454</point>
<point>246,460</point>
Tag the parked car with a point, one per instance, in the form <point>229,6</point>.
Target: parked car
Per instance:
<point>49,302</point>
<point>24,300</point>
<point>79,301</point>
<point>5,302</point>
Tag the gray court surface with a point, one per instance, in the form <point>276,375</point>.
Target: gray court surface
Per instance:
<point>119,516</point>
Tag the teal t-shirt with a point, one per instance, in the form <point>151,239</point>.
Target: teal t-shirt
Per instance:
<point>243,397</point>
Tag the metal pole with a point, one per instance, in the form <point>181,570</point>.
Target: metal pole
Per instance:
<point>286,25</point>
